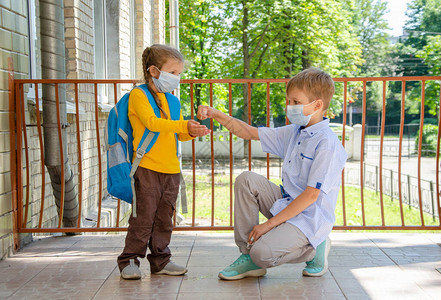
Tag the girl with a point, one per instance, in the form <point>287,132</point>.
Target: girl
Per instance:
<point>158,175</point>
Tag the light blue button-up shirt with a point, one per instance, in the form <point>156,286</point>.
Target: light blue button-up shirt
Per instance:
<point>313,156</point>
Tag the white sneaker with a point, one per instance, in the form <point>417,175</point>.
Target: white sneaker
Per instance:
<point>131,271</point>
<point>172,269</point>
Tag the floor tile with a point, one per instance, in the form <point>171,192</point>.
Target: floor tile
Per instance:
<point>214,296</point>
<point>58,290</point>
<point>362,265</point>
<point>148,285</point>
<point>244,287</point>
<point>309,287</point>
<point>220,261</point>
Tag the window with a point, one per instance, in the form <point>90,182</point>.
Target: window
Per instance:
<point>132,17</point>
<point>100,48</point>
<point>34,69</point>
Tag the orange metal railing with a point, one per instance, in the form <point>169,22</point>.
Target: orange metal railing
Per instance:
<point>20,164</point>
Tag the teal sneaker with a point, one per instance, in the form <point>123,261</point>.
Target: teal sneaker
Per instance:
<point>319,264</point>
<point>241,268</point>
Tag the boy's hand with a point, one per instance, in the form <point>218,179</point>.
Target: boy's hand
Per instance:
<point>195,129</point>
<point>258,231</point>
<point>205,112</point>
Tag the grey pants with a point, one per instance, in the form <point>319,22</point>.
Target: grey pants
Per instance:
<point>282,244</point>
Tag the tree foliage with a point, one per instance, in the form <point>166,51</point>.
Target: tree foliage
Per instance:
<point>419,54</point>
<point>279,38</point>
<point>267,39</point>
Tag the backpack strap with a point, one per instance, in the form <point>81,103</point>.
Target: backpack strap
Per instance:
<point>156,108</point>
<point>125,137</point>
<point>147,141</point>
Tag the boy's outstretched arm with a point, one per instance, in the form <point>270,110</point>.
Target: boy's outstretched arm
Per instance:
<point>237,127</point>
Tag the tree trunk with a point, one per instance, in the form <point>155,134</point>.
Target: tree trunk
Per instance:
<point>305,61</point>
<point>288,54</point>
<point>197,96</point>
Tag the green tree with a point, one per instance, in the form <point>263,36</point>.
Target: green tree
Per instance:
<point>267,39</point>
<point>424,20</point>
<point>370,28</point>
<point>280,38</point>
<point>413,54</point>
<point>202,36</point>
<point>431,56</point>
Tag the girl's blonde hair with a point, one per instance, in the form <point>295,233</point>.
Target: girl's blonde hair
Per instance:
<point>315,83</point>
<point>157,55</point>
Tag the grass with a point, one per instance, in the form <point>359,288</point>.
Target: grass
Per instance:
<point>392,216</point>
<point>372,209</point>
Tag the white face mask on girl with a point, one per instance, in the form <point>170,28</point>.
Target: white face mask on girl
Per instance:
<point>167,82</point>
<point>295,114</point>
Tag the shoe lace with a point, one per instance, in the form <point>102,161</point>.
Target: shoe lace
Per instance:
<point>240,260</point>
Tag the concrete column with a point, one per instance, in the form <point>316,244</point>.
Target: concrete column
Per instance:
<point>356,142</point>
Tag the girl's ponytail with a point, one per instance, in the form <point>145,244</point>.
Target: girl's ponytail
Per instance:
<point>145,64</point>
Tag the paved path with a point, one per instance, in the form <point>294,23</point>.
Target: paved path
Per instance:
<point>362,266</point>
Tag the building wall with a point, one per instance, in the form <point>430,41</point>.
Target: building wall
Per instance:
<point>124,39</point>
<point>13,37</point>
<point>159,23</point>
<point>144,32</point>
<point>79,43</point>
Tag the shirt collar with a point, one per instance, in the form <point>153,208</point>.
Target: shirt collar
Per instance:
<point>312,130</point>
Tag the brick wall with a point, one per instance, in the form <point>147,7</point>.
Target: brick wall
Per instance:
<point>79,43</point>
<point>144,30</point>
<point>124,39</point>
<point>159,23</point>
<point>14,43</point>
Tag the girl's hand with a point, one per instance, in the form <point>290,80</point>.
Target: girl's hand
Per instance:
<point>258,231</point>
<point>205,112</point>
<point>195,129</point>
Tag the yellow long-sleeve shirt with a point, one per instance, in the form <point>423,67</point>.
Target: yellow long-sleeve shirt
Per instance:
<point>162,156</point>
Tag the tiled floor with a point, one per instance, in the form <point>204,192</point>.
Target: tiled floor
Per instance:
<point>362,266</point>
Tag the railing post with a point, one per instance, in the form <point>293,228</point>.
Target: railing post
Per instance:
<point>13,161</point>
<point>432,198</point>
<point>376,180</point>
<point>408,189</point>
<point>364,174</point>
<point>391,185</point>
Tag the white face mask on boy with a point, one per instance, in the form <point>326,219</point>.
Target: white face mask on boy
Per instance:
<point>295,114</point>
<point>167,82</point>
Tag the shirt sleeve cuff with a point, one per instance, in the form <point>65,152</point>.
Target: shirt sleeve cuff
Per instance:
<point>184,128</point>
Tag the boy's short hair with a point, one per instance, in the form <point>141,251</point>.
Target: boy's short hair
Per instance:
<point>315,83</point>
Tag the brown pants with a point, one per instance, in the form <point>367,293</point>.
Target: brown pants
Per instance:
<point>156,195</point>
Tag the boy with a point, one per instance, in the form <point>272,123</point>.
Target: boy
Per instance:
<point>301,212</point>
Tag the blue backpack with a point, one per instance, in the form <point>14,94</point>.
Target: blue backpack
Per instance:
<point>119,142</point>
